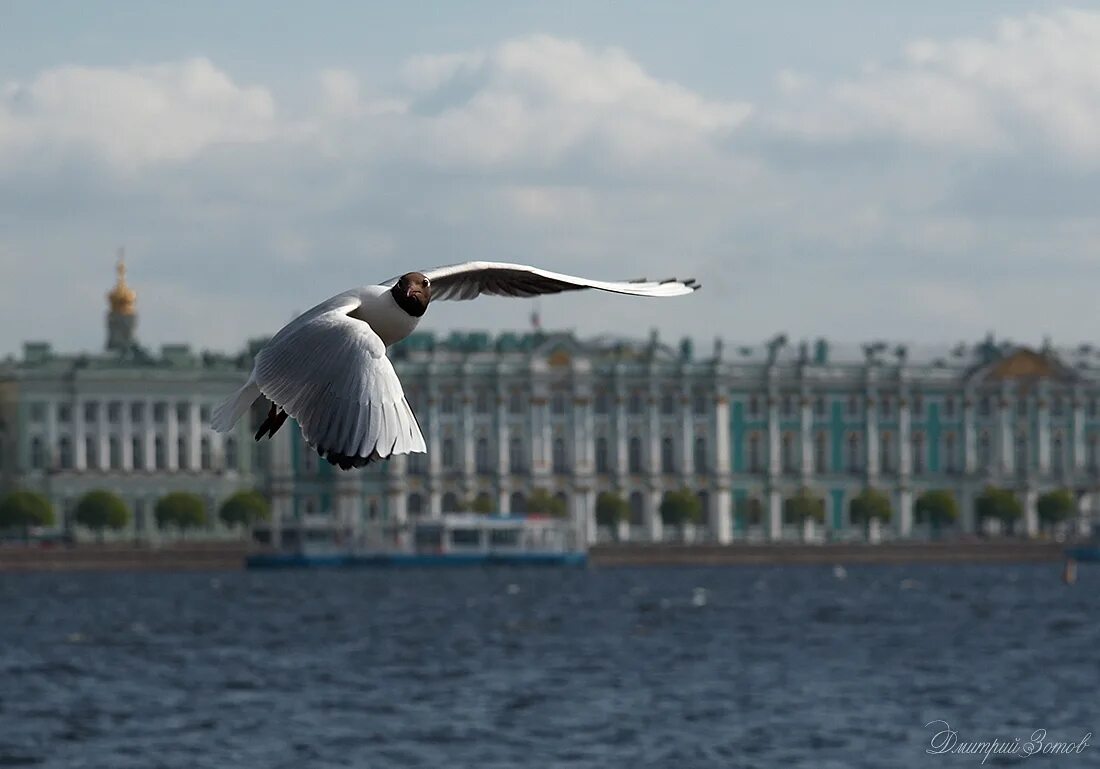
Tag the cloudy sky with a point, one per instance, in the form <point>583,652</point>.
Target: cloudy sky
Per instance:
<point>924,172</point>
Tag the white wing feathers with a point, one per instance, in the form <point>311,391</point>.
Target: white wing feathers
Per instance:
<point>330,372</point>
<point>471,279</point>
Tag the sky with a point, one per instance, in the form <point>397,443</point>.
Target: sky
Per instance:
<point>918,172</point>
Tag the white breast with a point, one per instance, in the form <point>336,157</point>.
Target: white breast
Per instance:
<point>389,321</point>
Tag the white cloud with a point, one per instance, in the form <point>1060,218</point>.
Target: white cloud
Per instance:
<point>1034,83</point>
<point>132,116</point>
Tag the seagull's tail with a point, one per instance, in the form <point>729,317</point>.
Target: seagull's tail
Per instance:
<point>231,409</point>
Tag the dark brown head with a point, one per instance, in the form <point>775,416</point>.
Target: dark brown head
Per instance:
<point>412,293</point>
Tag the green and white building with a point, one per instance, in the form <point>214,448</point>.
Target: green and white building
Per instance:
<point>744,427</point>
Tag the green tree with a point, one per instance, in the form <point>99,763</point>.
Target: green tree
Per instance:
<point>181,510</point>
<point>244,508</point>
<point>481,504</point>
<point>1056,506</point>
<point>937,507</point>
<point>25,509</point>
<point>681,506</point>
<point>611,508</point>
<point>542,501</point>
<point>870,503</point>
<point>1000,504</point>
<point>100,510</point>
<point>805,505</point>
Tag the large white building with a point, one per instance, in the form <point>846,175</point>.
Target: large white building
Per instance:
<point>744,427</point>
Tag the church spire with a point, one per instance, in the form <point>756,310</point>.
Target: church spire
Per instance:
<point>122,314</point>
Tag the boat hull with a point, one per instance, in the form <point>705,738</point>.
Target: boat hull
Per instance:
<point>1086,553</point>
<point>399,560</point>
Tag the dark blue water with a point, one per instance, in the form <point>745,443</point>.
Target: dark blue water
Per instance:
<point>762,667</point>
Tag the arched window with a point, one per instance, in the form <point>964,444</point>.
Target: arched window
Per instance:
<point>635,455</point>
<point>515,455</point>
<point>668,455</point>
<point>699,455</point>
<point>517,503</point>
<point>558,449</point>
<point>601,455</point>
<point>853,453</point>
<point>754,453</point>
<point>821,454</point>
<point>450,502</point>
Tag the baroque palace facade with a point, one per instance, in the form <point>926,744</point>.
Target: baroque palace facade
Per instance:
<point>745,428</point>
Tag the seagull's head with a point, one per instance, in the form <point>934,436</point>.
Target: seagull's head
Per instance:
<point>412,293</point>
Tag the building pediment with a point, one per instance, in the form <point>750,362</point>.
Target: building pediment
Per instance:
<point>1024,365</point>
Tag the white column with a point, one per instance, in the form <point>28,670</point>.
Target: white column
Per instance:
<point>905,441</point>
<point>468,437</point>
<point>435,454</point>
<point>653,435</point>
<point>51,435</point>
<point>722,507</point>
<point>582,437</point>
<point>687,440</point>
<point>1031,514</point>
<point>194,438</point>
<point>1044,435</point>
<point>80,456</point>
<point>584,516</point>
<point>806,432</point>
<point>905,512</point>
<point>773,437</point>
<point>102,431</point>
<point>126,436</point>
<point>871,422</point>
<point>503,438</point>
<point>620,433</point>
<point>1078,458</point>
<point>171,440</point>
<point>775,515</point>
<point>148,440</point>
<point>970,453</point>
<point>1004,434</point>
<point>653,515</point>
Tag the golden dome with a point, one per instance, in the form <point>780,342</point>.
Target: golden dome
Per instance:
<point>122,298</point>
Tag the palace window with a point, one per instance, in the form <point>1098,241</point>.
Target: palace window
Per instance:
<point>1021,453</point>
<point>115,450</point>
<point>754,407</point>
<point>1093,453</point>
<point>985,455</point>
<point>91,453</point>
<point>447,406</point>
<point>38,455</point>
<point>231,453</point>
<point>787,405</point>
<point>38,411</point>
<point>853,405</point>
<point>160,410</point>
<point>448,453</point>
<point>699,455</point>
<point>137,412</point>
<point>481,456</point>
<point>702,403</point>
<point>886,407</point>
<point>204,453</point>
<point>635,402</point>
<point>137,449</point>
<point>160,455</point>
<point>183,412</point>
<point>515,401</point>
<point>886,453</point>
<point>1057,454</point>
<point>1021,405</point>
<point>819,406</point>
<point>949,407</point>
<point>601,455</point>
<point>754,453</point>
<point>515,456</point>
<point>91,411</point>
<point>790,464</point>
<point>985,406</point>
<point>853,453</point>
<point>668,403</point>
<point>416,464</point>
<point>204,414</point>
<point>1057,406</point>
<point>1093,407</point>
<point>918,453</point>
<point>65,450</point>
<point>558,449</point>
<point>821,456</point>
<point>183,460</point>
<point>65,413</point>
<point>602,401</point>
<point>668,455</point>
<point>481,402</point>
<point>635,455</point>
<point>557,402</point>
<point>950,464</point>
<point>414,505</point>
<point>114,412</point>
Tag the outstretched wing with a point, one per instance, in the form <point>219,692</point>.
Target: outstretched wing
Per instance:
<point>472,279</point>
<point>330,372</point>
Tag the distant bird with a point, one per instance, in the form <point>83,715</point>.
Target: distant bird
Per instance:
<point>328,368</point>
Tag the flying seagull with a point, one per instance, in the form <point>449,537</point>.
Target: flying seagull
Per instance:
<point>328,368</point>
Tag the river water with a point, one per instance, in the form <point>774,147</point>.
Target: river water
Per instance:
<point>660,667</point>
